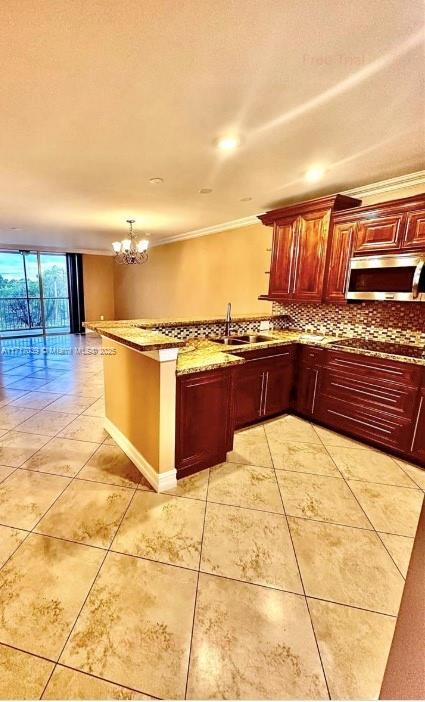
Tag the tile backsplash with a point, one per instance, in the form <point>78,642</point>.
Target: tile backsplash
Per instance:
<point>402,322</point>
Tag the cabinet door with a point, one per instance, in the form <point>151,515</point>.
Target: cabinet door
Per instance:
<point>379,234</point>
<point>311,256</point>
<point>203,420</point>
<point>277,387</point>
<point>283,258</point>
<point>341,247</point>
<point>307,389</point>
<point>248,389</point>
<point>414,237</point>
<point>417,443</point>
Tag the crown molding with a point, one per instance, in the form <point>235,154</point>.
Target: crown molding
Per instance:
<point>382,186</point>
<point>55,249</point>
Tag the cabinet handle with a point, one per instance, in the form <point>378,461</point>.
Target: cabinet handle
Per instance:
<point>266,386</point>
<point>412,445</point>
<point>260,411</point>
<point>313,402</point>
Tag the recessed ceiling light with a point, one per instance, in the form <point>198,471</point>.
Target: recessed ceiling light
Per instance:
<point>156,181</point>
<point>15,229</point>
<point>314,173</point>
<point>205,191</point>
<point>246,199</point>
<point>228,143</point>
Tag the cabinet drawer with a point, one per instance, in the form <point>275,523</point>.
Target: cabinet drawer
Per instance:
<point>370,392</point>
<point>363,423</point>
<point>312,354</point>
<point>277,353</point>
<point>371,367</point>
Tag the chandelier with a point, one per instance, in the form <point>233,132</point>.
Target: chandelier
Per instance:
<point>131,250</point>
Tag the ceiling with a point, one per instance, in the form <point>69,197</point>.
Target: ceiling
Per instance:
<point>99,96</point>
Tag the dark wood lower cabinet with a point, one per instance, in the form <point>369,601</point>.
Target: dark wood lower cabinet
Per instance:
<point>263,386</point>
<point>379,401</point>
<point>204,426</point>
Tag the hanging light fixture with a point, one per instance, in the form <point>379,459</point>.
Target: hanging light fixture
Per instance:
<point>131,250</point>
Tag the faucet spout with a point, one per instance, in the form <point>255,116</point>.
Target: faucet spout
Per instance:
<point>228,319</point>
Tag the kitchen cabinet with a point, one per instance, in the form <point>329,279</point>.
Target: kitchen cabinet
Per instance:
<point>378,233</point>
<point>370,398</point>
<point>204,426</point>
<point>414,237</point>
<point>300,248</point>
<point>262,387</point>
<point>417,443</point>
<point>308,379</point>
<point>340,251</point>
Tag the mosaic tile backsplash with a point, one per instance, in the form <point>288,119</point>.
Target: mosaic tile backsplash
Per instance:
<point>400,322</point>
<point>191,331</point>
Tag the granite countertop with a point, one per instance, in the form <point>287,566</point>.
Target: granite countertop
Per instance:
<point>203,354</point>
<point>178,321</point>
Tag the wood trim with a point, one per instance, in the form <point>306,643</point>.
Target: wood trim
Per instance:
<point>329,202</point>
<point>399,206</point>
<point>159,481</point>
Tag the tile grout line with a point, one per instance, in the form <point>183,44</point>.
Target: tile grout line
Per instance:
<point>107,551</point>
<point>299,570</point>
<point>197,586</point>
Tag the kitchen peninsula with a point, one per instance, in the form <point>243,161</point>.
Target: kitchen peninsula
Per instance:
<point>174,393</point>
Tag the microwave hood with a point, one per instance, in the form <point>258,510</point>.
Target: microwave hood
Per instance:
<point>399,278</point>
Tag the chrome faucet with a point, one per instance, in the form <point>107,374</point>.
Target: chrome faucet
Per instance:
<point>228,319</point>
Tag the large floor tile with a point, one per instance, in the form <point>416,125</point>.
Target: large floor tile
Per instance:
<point>87,512</point>
<point>7,395</point>
<point>354,647</point>
<point>96,409</point>
<point>250,446</point>
<point>37,400</point>
<point>135,627</point>
<point>22,676</point>
<point>5,471</point>
<point>74,404</point>
<point>109,464</point>
<point>245,486</point>
<point>301,457</point>
<point>346,565</point>
<point>11,417</point>
<point>290,429</point>
<point>390,509</point>
<point>85,429</point>
<point>163,528</point>
<point>194,486</point>
<point>373,466</point>
<point>25,496</point>
<point>45,422</point>
<point>333,438</point>
<point>67,684</point>
<point>416,473</point>
<point>320,497</point>
<point>10,539</point>
<point>16,447</point>
<point>42,589</point>
<point>400,549</point>
<point>61,456</point>
<point>251,642</point>
<point>249,545</point>
<point>27,384</point>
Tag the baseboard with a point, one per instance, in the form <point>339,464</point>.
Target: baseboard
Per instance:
<point>159,481</point>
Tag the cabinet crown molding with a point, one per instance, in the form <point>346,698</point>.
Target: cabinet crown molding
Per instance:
<point>329,202</point>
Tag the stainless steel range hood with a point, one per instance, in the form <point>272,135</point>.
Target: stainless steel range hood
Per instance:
<point>398,278</point>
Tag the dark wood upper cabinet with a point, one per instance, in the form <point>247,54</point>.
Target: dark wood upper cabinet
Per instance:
<point>378,234</point>
<point>283,258</point>
<point>300,247</point>
<point>414,237</point>
<point>340,251</point>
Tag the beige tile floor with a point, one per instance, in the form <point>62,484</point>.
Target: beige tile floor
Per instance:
<point>276,575</point>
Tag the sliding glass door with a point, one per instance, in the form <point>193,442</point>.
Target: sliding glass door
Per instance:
<point>34,293</point>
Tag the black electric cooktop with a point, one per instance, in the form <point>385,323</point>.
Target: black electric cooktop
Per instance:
<point>382,347</point>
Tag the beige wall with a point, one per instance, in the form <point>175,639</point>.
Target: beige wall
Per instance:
<point>198,276</point>
<point>98,280</point>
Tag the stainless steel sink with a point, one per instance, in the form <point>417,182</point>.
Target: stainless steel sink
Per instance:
<point>241,340</point>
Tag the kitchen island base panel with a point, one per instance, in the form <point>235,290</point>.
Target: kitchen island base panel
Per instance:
<point>159,481</point>
<point>140,408</point>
